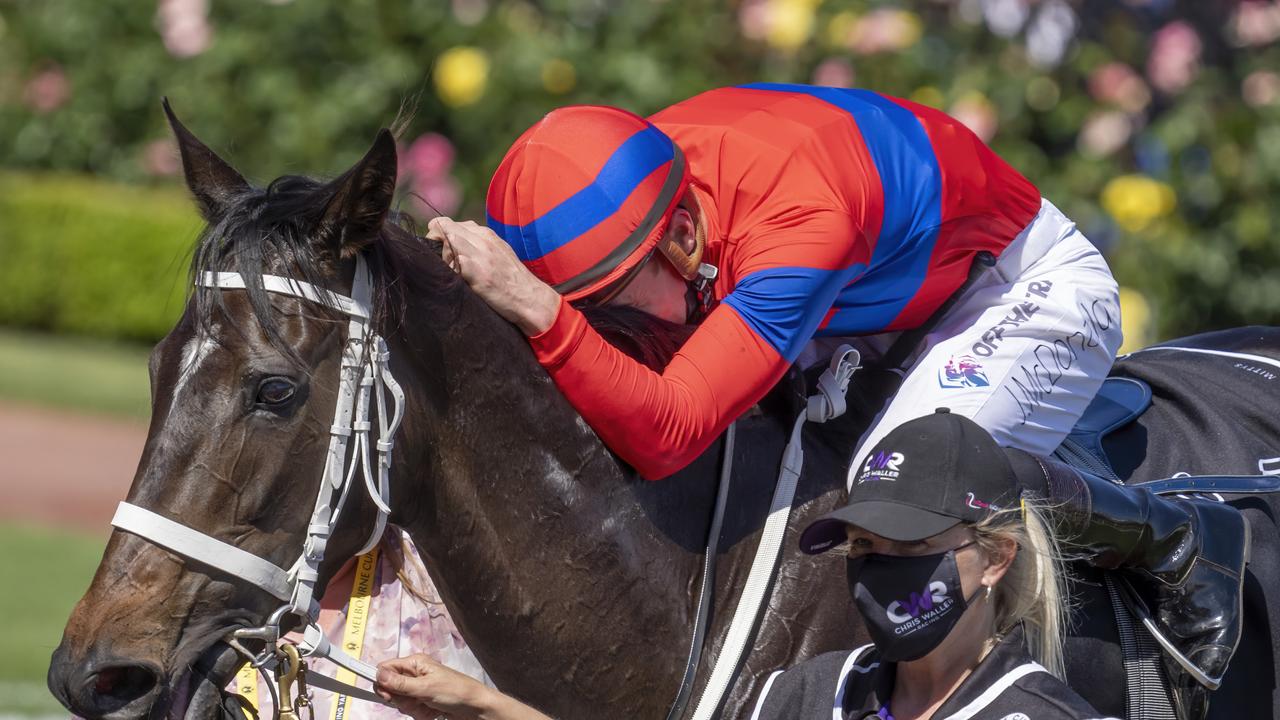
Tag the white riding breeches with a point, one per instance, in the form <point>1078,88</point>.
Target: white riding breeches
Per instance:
<point>1024,349</point>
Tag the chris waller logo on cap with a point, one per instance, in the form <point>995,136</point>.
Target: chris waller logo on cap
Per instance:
<point>883,465</point>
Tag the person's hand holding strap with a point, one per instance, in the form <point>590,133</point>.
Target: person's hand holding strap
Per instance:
<point>426,690</point>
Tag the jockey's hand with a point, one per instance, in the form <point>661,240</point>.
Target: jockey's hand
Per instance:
<point>426,690</point>
<point>491,268</point>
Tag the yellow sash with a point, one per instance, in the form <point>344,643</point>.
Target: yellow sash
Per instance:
<point>357,621</point>
<point>247,686</point>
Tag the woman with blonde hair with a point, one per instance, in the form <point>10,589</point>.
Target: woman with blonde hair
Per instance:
<point>958,581</point>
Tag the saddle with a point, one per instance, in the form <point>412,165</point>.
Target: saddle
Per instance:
<point>1120,401</point>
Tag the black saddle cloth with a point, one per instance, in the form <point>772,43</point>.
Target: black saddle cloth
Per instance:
<point>1214,408</point>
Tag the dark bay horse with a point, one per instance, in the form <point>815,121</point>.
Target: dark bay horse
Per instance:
<point>573,581</point>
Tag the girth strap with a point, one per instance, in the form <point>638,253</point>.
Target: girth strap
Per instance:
<point>1213,484</point>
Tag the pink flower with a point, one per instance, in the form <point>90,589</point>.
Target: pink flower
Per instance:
<point>425,165</point>
<point>1175,57</point>
<point>834,72</point>
<point>160,157</point>
<point>1105,132</point>
<point>977,113</point>
<point>184,26</point>
<point>47,90</point>
<point>430,156</point>
<point>1260,88</point>
<point>1118,84</point>
<point>1254,23</point>
<point>753,19</point>
<point>436,196</point>
<point>885,30</point>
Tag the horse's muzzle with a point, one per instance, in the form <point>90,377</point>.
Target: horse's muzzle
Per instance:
<point>102,685</point>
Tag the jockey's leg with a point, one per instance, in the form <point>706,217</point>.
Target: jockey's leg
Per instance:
<point>1024,350</point>
<point>1194,550</point>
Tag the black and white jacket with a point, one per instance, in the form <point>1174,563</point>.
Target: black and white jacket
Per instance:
<point>1006,685</point>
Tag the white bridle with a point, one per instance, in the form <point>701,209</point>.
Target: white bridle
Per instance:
<point>365,378</point>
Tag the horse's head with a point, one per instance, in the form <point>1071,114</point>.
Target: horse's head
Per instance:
<point>243,397</point>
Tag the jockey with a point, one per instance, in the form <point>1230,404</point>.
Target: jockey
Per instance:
<point>776,217</point>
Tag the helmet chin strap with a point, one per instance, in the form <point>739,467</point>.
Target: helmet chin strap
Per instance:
<point>699,297</point>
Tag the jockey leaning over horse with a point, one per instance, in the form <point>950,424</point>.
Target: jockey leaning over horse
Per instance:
<point>771,215</point>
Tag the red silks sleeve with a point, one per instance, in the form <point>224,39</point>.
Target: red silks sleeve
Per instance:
<point>659,423</point>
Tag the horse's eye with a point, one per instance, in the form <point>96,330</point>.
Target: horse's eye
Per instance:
<point>275,391</point>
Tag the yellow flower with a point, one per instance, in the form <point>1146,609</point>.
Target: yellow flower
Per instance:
<point>1135,201</point>
<point>790,23</point>
<point>461,75</point>
<point>558,76</point>
<point>841,28</point>
<point>1135,320</point>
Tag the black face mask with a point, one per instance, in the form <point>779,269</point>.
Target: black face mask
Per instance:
<point>909,604</point>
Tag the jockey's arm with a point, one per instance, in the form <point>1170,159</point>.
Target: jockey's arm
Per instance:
<point>660,422</point>
<point>789,273</point>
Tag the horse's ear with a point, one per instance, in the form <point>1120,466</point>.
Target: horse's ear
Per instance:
<point>360,199</point>
<point>212,181</point>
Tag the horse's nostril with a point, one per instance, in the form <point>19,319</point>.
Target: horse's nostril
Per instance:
<point>104,683</point>
<point>123,684</point>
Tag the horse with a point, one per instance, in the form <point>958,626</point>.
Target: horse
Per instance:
<point>574,581</point>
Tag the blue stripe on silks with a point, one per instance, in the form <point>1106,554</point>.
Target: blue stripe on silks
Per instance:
<point>627,167</point>
<point>912,185</point>
<point>851,320</point>
<point>784,306</point>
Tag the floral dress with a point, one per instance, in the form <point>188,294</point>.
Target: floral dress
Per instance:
<point>406,616</point>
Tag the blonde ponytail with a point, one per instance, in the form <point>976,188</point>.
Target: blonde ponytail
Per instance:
<point>1033,591</point>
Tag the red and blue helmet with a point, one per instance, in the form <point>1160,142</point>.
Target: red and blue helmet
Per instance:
<point>585,194</point>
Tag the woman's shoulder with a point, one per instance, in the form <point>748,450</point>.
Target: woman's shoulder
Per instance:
<point>806,690</point>
<point>1042,696</point>
<point>1009,685</point>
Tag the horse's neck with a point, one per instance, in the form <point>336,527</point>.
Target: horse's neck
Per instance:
<point>517,506</point>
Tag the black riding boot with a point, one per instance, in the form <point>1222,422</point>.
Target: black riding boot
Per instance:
<point>1194,550</point>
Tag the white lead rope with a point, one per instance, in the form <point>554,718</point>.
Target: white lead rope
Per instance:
<point>827,404</point>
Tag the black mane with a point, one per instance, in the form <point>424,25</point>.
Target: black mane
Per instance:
<point>270,231</point>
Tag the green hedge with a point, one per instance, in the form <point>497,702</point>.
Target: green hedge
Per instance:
<point>83,256</point>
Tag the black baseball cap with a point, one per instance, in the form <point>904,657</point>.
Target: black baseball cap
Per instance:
<point>924,477</point>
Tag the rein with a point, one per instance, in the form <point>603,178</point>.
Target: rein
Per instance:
<point>365,380</point>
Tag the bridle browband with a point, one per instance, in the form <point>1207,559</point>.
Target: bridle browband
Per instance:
<point>365,379</point>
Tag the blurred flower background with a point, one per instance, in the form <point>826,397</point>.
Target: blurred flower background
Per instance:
<point>1154,123</point>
